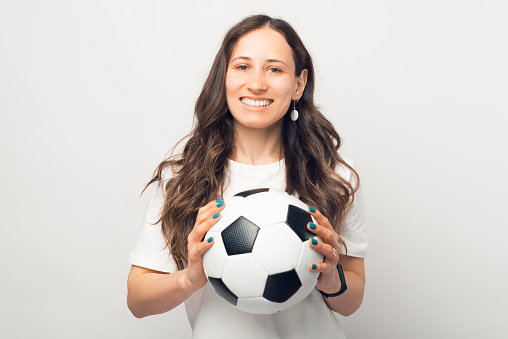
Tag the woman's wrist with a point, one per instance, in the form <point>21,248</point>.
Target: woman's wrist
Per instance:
<point>186,284</point>
<point>339,287</point>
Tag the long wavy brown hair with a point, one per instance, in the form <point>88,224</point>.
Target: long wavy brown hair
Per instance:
<point>199,172</point>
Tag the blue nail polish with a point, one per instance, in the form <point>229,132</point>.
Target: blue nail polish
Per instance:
<point>216,215</point>
<point>220,204</point>
<point>312,226</point>
<point>312,209</point>
<point>210,239</point>
<point>219,200</point>
<point>314,241</point>
<point>314,266</point>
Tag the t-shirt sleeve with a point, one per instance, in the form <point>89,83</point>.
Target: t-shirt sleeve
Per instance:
<point>353,229</point>
<point>150,250</point>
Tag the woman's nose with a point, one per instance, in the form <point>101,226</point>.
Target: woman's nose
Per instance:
<point>257,81</point>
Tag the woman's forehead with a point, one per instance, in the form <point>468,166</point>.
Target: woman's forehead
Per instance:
<point>263,44</point>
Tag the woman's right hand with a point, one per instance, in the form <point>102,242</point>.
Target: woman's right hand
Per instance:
<point>208,216</point>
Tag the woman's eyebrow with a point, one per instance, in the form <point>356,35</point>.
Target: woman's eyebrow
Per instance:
<point>267,60</point>
<point>277,60</point>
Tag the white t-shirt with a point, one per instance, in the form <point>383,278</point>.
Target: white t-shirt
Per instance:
<point>212,317</point>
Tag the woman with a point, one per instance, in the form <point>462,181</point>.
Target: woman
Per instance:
<point>246,136</point>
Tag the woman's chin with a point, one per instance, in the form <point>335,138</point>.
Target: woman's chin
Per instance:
<point>258,124</point>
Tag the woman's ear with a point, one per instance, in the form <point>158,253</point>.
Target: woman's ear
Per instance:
<point>301,82</point>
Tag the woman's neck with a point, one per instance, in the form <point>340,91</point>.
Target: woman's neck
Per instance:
<point>257,146</point>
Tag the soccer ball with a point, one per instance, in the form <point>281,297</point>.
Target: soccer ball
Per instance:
<point>261,255</point>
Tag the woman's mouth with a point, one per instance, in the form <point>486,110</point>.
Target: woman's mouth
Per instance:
<point>255,103</point>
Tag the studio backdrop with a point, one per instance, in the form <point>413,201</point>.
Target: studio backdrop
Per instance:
<point>93,94</point>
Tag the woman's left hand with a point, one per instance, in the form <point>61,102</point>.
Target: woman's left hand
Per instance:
<point>329,281</point>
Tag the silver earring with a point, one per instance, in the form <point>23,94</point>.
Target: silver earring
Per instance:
<point>294,113</point>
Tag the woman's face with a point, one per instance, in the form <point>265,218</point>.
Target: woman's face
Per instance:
<point>261,81</point>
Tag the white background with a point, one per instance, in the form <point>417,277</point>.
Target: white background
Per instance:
<point>93,94</point>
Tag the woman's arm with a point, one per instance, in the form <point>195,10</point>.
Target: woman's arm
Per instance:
<point>329,281</point>
<point>152,292</point>
<point>350,301</point>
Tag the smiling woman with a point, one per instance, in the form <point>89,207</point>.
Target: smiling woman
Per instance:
<point>261,82</point>
<point>245,137</point>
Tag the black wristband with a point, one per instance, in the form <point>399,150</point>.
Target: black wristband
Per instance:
<point>343,286</point>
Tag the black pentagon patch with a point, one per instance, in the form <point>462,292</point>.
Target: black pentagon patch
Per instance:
<point>245,194</point>
<point>222,290</point>
<point>282,286</point>
<point>298,219</point>
<point>239,237</point>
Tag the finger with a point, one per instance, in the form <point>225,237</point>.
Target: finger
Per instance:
<point>206,221</point>
<point>326,234</point>
<point>200,230</point>
<point>322,267</point>
<point>208,210</point>
<point>331,253</point>
<point>320,218</point>
<point>197,251</point>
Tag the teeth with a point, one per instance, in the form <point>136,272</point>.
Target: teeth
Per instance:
<point>256,103</point>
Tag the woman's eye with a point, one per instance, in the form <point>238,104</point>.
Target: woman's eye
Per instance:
<point>241,67</point>
<point>274,70</point>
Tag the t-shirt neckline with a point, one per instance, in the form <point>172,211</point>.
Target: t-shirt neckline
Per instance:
<point>243,168</point>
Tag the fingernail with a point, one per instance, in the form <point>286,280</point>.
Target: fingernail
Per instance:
<point>312,226</point>
<point>219,200</point>
<point>210,239</point>
<point>314,241</point>
<point>314,266</point>
<point>312,209</point>
<point>220,204</point>
<point>216,215</point>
